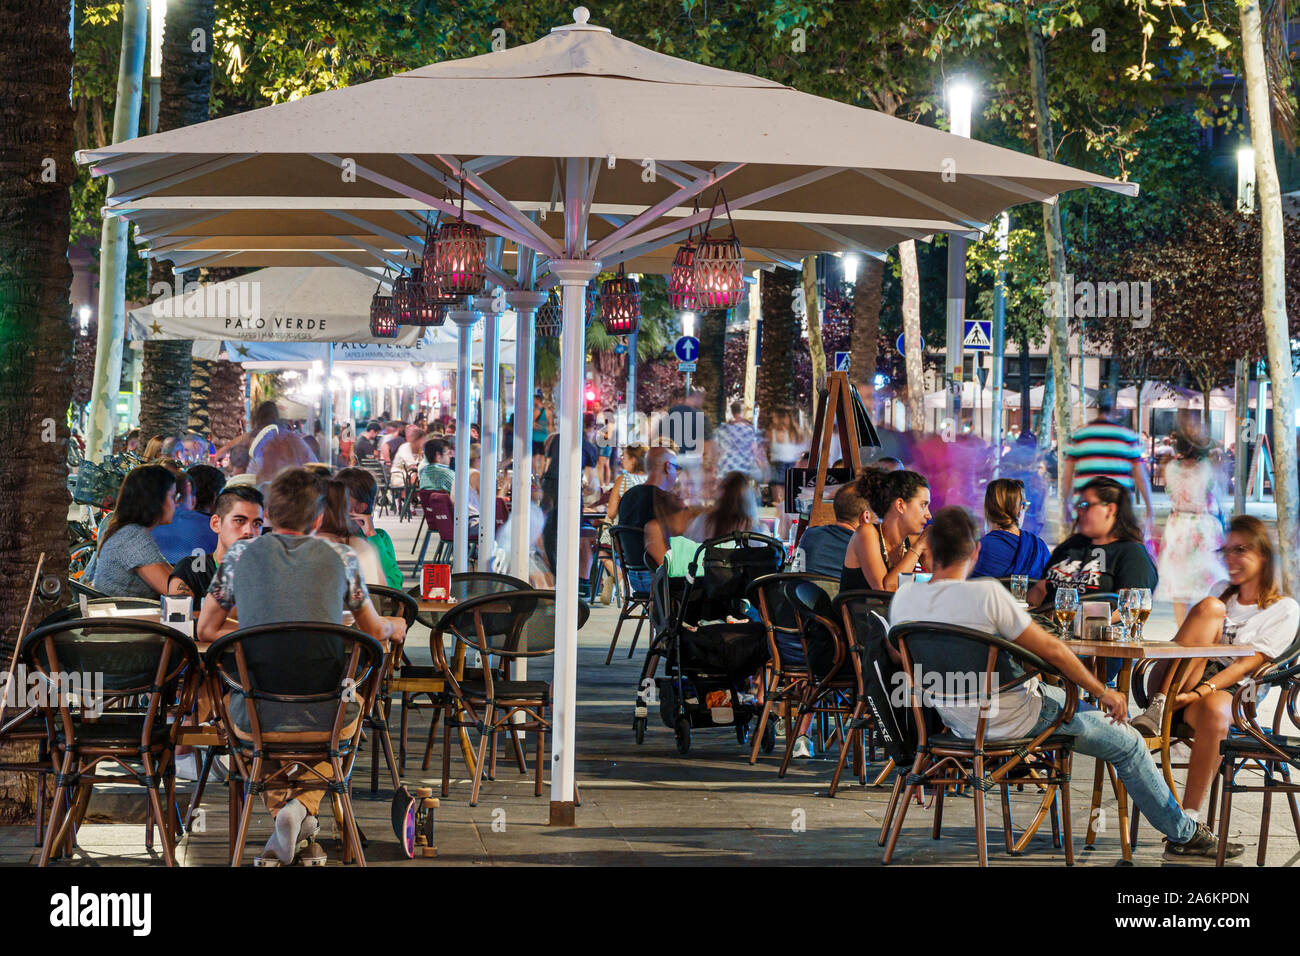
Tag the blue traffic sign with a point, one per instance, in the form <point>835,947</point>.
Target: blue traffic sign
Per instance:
<point>687,348</point>
<point>978,335</point>
<point>901,345</point>
<point>841,361</point>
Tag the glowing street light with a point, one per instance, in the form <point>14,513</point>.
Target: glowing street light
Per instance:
<point>850,262</point>
<point>688,324</point>
<point>1246,180</point>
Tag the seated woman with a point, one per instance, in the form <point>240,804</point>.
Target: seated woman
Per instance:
<point>1248,610</point>
<point>338,525</point>
<point>633,475</point>
<point>891,539</point>
<point>129,562</point>
<point>1008,549</point>
<point>1104,554</point>
<point>670,519</point>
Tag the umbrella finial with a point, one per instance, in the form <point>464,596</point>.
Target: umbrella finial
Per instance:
<point>581,15</point>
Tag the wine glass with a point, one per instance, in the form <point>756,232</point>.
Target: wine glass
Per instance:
<point>1067,606</point>
<point>1129,603</point>
<point>1143,610</point>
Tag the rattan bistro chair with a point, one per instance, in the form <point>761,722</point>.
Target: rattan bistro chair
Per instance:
<point>787,670</point>
<point>945,759</point>
<point>1269,752</point>
<point>291,697</point>
<point>629,556</point>
<point>828,691</point>
<point>865,617</point>
<point>150,674</point>
<point>507,626</point>
<point>388,602</point>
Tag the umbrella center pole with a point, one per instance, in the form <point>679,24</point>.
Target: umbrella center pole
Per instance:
<point>464,319</point>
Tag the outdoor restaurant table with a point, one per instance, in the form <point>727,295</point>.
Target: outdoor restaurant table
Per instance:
<point>1130,652</point>
<point>458,663</point>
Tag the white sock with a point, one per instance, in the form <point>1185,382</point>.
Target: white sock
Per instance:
<point>1193,815</point>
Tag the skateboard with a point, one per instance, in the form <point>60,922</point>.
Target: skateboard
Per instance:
<point>413,820</point>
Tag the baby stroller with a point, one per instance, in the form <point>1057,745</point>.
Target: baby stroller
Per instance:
<point>709,645</point>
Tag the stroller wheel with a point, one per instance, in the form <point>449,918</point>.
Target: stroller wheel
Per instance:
<point>769,737</point>
<point>742,732</point>
<point>638,728</point>
<point>683,730</point>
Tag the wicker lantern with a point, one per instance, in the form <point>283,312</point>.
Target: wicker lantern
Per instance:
<point>719,266</point>
<point>550,317</point>
<point>620,305</point>
<point>459,265</point>
<point>681,282</point>
<point>429,304</point>
<point>383,323</point>
<point>402,299</point>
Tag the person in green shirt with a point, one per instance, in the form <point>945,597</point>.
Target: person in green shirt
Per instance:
<point>361,494</point>
<point>434,474</point>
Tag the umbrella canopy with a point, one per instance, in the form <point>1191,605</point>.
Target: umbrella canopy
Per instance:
<point>270,305</point>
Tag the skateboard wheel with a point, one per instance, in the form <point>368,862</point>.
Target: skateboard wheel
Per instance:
<point>429,803</point>
<point>424,791</point>
<point>428,851</point>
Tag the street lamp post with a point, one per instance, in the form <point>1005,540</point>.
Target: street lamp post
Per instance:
<point>960,95</point>
<point>999,337</point>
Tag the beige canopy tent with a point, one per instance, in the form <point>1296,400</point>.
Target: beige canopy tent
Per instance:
<point>611,143</point>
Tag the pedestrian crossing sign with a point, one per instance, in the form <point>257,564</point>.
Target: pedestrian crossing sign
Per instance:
<point>841,361</point>
<point>978,336</point>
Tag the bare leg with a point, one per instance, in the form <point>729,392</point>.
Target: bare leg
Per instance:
<point>1210,718</point>
<point>1180,613</point>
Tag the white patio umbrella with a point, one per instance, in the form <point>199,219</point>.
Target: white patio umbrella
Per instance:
<point>616,141</point>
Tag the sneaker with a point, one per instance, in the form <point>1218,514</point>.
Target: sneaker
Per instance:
<point>313,854</point>
<point>1147,723</point>
<point>187,767</point>
<point>780,727</point>
<point>1203,843</point>
<point>280,848</point>
<point>802,747</point>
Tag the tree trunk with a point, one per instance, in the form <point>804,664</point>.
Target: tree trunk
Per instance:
<point>913,353</point>
<point>776,386</point>
<point>113,245</point>
<point>712,333</point>
<point>1049,399</point>
<point>1276,326</point>
<point>864,341</point>
<point>36,341</point>
<point>813,317</point>
<point>200,395</point>
<point>754,304</point>
<point>1059,327</point>
<point>226,417</point>
<point>186,95</point>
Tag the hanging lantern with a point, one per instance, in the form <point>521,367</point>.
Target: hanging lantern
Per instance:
<point>429,304</point>
<point>550,317</point>
<point>620,305</point>
<point>402,299</point>
<point>719,266</point>
<point>459,255</point>
<point>681,282</point>
<point>383,323</point>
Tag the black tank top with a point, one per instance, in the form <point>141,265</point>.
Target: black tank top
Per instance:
<point>853,579</point>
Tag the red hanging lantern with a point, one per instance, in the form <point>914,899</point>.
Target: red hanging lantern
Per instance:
<point>719,266</point>
<point>383,323</point>
<point>550,317</point>
<point>459,255</point>
<point>429,304</point>
<point>402,299</point>
<point>681,281</point>
<point>620,304</point>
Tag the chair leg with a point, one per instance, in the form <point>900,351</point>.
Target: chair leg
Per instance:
<point>981,836</point>
<point>1090,839</point>
<point>763,718</point>
<point>519,750</point>
<point>492,754</point>
<point>636,635</point>
<point>418,528</point>
<point>446,751</point>
<point>899,811</point>
<point>1225,812</point>
<point>40,809</point>
<point>54,828</point>
<point>155,805</point>
<point>1064,793</point>
<point>349,818</point>
<point>1264,816</point>
<point>541,759</point>
<point>1008,836</point>
<point>428,743</point>
<point>246,811</point>
<point>885,771</point>
<point>622,616</point>
<point>938,812</point>
<point>482,752</point>
<point>791,735</point>
<point>1213,804</point>
<point>401,742</point>
<point>196,800</point>
<point>425,546</point>
<point>889,811</point>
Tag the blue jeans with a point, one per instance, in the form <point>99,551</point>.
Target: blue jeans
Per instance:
<point>640,580</point>
<point>1122,746</point>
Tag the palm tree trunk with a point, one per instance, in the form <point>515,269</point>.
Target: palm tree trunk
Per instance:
<point>185,100</point>
<point>709,366</point>
<point>912,336</point>
<point>813,317</point>
<point>1276,327</point>
<point>35,318</point>
<point>864,340</point>
<point>776,386</point>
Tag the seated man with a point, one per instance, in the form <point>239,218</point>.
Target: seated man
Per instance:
<point>291,576</point>
<point>984,605</point>
<point>637,507</point>
<point>435,473</point>
<point>824,546</point>
<point>189,530</point>
<point>238,516</point>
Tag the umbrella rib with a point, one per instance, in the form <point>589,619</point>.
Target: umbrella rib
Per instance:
<point>170,228</point>
<point>406,242</point>
<point>496,203</point>
<point>705,180</point>
<point>382,255</point>
<point>761,195</point>
<point>198,169</point>
<point>355,267</point>
<point>929,202</point>
<point>1012,186</point>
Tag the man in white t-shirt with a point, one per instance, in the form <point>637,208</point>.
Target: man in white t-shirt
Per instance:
<point>1025,711</point>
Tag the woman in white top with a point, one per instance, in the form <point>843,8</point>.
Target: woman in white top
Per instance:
<point>408,457</point>
<point>1250,610</point>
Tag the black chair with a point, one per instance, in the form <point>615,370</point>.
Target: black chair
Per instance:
<point>292,696</point>
<point>80,588</point>
<point>865,617</point>
<point>414,681</point>
<point>996,666</point>
<point>828,692</point>
<point>507,626</point>
<point>388,602</point>
<point>629,556</point>
<point>384,496</point>
<point>1269,752</point>
<point>150,674</point>
<point>787,669</point>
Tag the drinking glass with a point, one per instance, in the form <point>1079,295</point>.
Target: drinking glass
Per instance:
<point>1129,602</point>
<point>1067,606</point>
<point>1143,610</point>
<point>1020,587</point>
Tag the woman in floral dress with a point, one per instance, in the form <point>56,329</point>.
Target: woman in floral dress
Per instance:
<point>1190,563</point>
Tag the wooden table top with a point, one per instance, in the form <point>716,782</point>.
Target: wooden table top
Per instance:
<point>438,607</point>
<point>1162,650</point>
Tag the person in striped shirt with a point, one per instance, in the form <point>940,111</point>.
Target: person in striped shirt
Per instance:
<point>1105,449</point>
